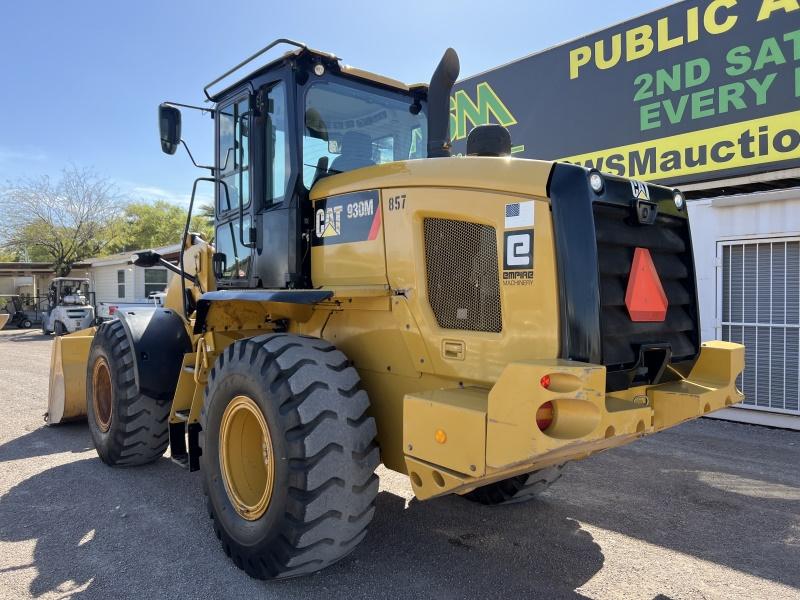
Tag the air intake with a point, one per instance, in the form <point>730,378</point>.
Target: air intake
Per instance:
<point>463,276</point>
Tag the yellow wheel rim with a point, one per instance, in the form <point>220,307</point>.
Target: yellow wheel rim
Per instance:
<point>247,457</point>
<point>102,393</point>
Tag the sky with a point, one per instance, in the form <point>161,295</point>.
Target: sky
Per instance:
<point>80,81</point>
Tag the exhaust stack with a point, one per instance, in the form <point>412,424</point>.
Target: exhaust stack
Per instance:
<point>439,90</point>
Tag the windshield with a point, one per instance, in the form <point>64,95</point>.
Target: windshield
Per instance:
<point>350,127</point>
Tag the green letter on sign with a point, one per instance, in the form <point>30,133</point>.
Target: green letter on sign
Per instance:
<point>478,113</point>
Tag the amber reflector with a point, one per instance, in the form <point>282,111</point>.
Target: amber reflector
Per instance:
<point>544,416</point>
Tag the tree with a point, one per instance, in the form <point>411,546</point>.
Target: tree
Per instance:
<point>203,222</point>
<point>7,256</point>
<point>150,225</point>
<point>62,222</point>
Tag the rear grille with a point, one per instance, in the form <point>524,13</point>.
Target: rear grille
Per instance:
<point>618,234</point>
<point>463,275</point>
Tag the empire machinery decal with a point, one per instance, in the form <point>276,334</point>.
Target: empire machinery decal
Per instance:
<point>347,218</point>
<point>518,244</point>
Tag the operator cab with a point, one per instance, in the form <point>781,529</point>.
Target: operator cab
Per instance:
<point>68,291</point>
<point>278,131</point>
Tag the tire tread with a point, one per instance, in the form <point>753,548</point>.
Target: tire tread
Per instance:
<point>332,450</point>
<point>139,431</point>
<point>517,489</point>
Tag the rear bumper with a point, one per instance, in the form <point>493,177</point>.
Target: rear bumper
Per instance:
<point>458,439</point>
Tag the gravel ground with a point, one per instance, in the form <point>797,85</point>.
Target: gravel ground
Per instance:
<point>707,510</point>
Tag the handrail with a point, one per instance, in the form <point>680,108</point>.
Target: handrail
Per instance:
<point>249,59</point>
<point>185,237</point>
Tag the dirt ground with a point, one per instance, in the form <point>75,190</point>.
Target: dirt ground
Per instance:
<point>707,510</point>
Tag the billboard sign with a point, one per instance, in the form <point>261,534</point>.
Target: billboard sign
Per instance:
<point>699,90</point>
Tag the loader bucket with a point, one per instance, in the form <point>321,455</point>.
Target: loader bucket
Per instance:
<point>3,320</point>
<point>67,397</point>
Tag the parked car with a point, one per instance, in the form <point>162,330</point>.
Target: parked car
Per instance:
<point>108,310</point>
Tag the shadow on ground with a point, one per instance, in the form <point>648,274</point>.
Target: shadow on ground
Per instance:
<point>24,335</point>
<point>43,441</point>
<point>144,532</point>
<point>723,492</point>
<point>96,529</point>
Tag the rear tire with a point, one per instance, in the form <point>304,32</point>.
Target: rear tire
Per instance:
<point>321,485</point>
<point>128,428</point>
<point>59,328</point>
<point>516,489</point>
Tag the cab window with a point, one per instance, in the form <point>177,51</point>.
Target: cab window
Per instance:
<point>349,127</point>
<point>234,155</point>
<point>237,257</point>
<point>278,141</point>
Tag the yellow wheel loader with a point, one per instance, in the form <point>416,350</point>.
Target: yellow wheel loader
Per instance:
<point>474,322</point>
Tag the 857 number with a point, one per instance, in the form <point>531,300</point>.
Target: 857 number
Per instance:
<point>397,202</point>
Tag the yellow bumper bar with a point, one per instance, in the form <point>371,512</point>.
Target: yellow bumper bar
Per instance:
<point>459,439</point>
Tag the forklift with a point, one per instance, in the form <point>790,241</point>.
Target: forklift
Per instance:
<point>69,306</point>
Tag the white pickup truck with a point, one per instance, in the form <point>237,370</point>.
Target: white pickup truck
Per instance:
<point>108,310</point>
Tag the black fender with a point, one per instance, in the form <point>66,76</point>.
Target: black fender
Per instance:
<point>159,339</point>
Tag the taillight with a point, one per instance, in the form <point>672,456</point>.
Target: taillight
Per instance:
<point>544,416</point>
<point>112,310</point>
<point>545,381</point>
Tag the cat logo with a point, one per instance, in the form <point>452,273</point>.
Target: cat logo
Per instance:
<point>329,221</point>
<point>640,190</point>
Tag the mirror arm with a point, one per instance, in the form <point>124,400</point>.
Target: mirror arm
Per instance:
<point>189,152</point>
<point>170,267</point>
<point>202,109</point>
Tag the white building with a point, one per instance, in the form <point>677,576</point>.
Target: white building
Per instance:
<point>746,237</point>
<point>115,279</point>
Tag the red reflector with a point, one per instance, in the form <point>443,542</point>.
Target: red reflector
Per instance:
<point>544,416</point>
<point>545,381</point>
<point>645,297</point>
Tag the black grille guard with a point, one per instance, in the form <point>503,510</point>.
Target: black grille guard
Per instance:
<point>573,204</point>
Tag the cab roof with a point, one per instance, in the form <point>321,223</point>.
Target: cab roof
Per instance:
<point>299,51</point>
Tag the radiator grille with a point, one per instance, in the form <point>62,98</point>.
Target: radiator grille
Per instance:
<point>669,245</point>
<point>463,276</point>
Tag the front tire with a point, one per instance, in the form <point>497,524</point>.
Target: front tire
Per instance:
<point>128,428</point>
<point>516,489</point>
<point>288,455</point>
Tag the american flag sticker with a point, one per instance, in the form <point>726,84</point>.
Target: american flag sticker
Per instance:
<point>519,214</point>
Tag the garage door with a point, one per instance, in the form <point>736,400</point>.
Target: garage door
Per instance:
<point>759,306</point>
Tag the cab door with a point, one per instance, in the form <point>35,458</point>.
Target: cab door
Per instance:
<point>234,239</point>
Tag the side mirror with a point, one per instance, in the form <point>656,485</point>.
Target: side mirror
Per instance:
<point>169,125</point>
<point>146,258</point>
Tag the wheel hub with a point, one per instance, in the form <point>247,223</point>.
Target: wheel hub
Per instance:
<point>246,457</point>
<point>102,394</point>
